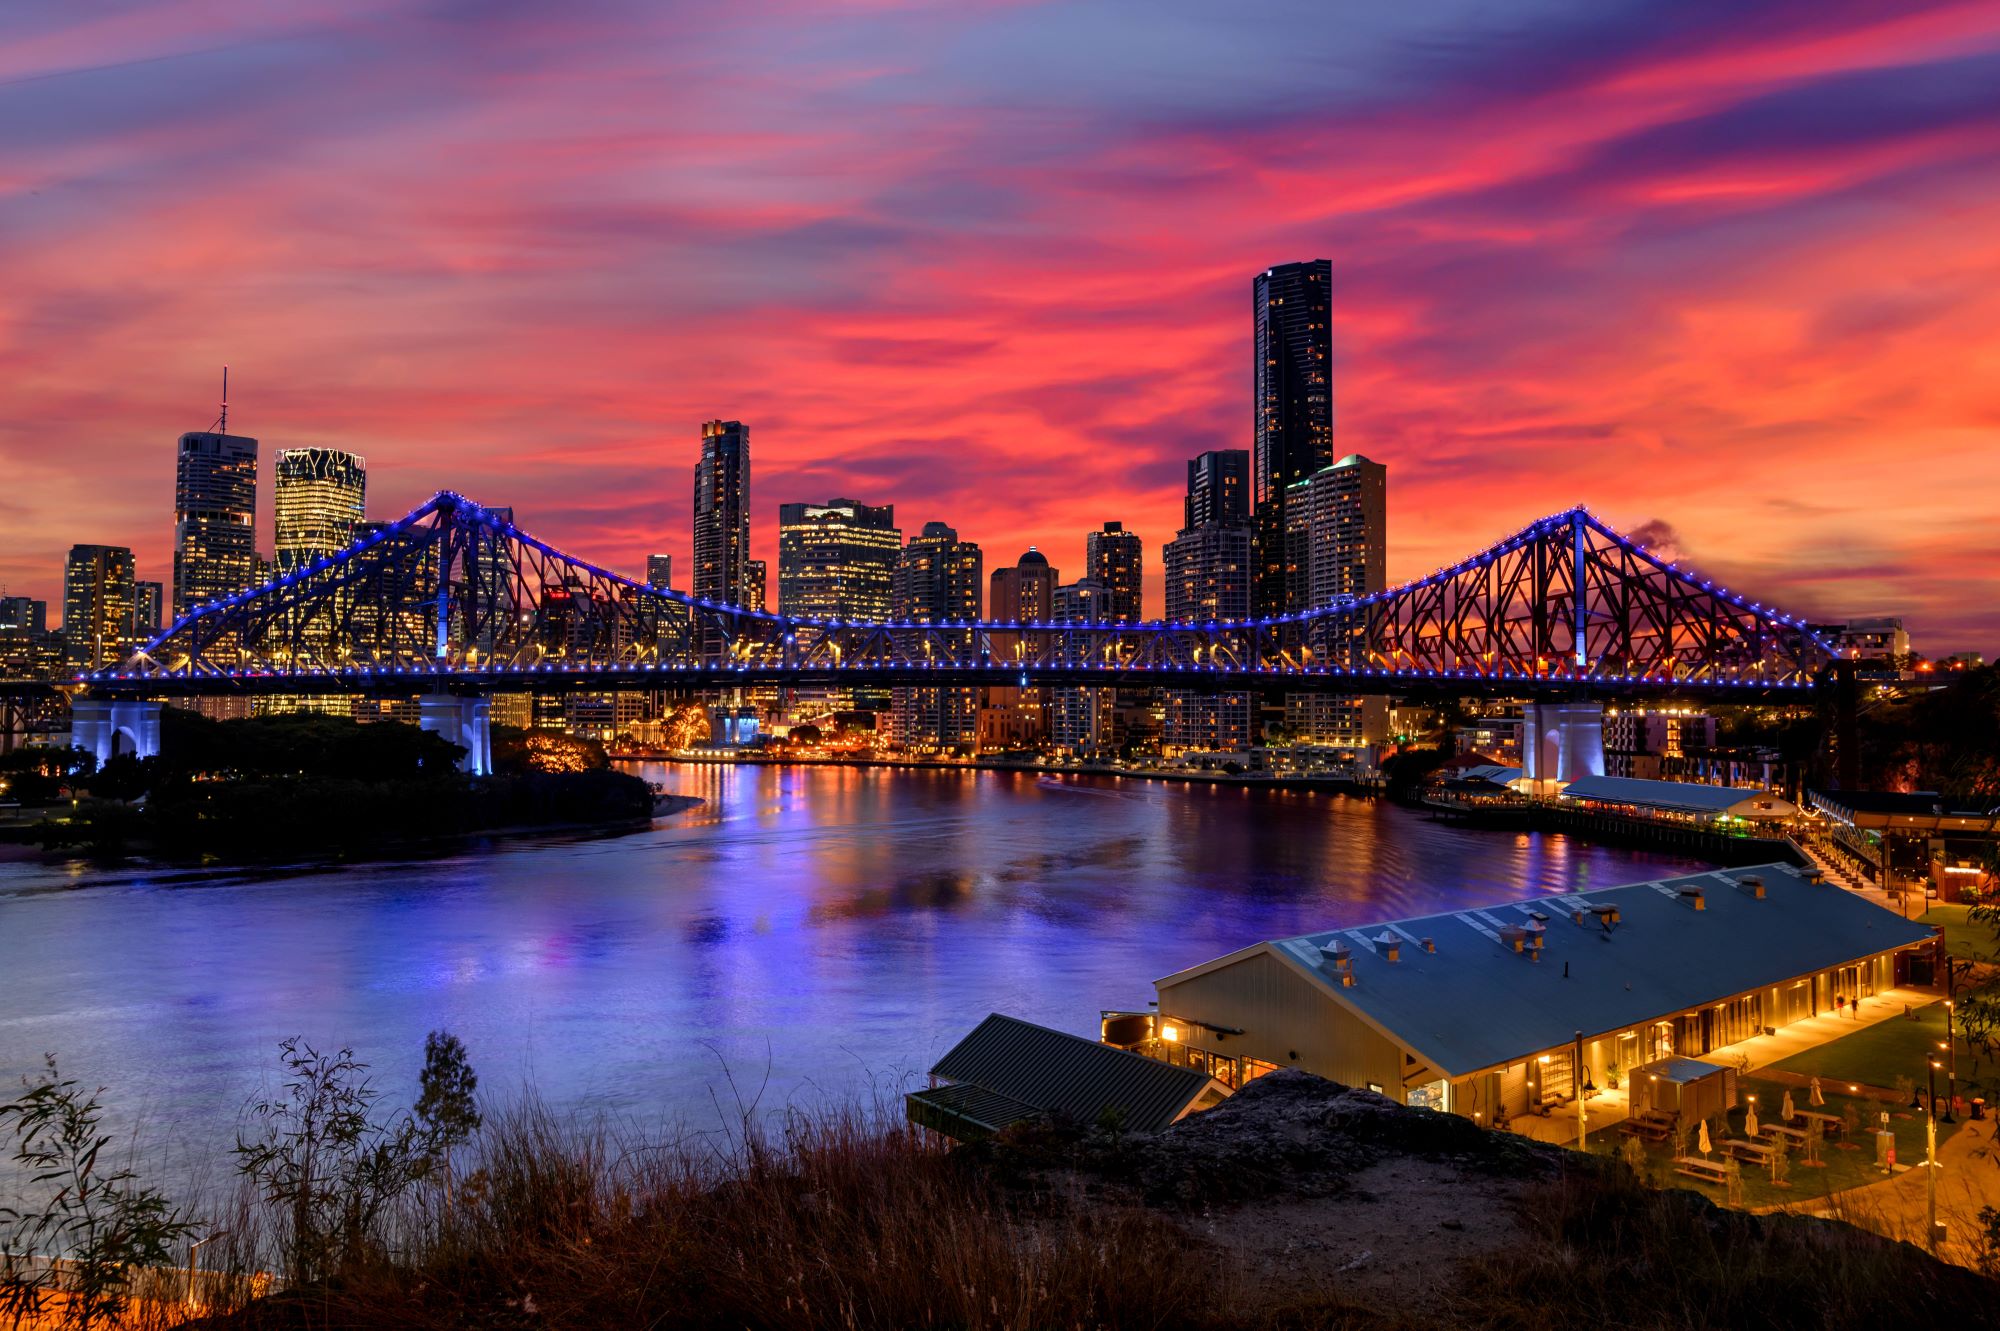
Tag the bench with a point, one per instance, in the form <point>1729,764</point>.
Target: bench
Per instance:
<point>1832,1125</point>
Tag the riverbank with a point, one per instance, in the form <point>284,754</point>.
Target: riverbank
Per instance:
<point>282,822</point>
<point>1297,1202</point>
<point>1333,785</point>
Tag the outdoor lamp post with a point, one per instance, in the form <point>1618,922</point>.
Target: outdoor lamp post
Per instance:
<point>1950,1040</point>
<point>1930,1163</point>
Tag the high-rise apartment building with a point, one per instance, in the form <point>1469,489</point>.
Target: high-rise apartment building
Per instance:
<point>1211,570</point>
<point>149,609</point>
<point>215,517</point>
<point>1337,523</point>
<point>1012,717</point>
<point>837,560</point>
<point>1292,323</point>
<point>23,614</point>
<point>756,585</point>
<point>939,579</point>
<point>1082,720</point>
<point>660,571</point>
<point>1218,489</point>
<point>722,514</point>
<point>97,605</point>
<point>1112,556</point>
<point>320,500</point>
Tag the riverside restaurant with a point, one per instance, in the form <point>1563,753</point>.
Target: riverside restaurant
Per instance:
<point>1521,1006</point>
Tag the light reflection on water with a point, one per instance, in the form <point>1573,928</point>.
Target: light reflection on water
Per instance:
<point>814,930</point>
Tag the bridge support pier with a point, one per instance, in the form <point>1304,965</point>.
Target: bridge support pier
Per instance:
<point>1561,741</point>
<point>466,722</point>
<point>107,727</point>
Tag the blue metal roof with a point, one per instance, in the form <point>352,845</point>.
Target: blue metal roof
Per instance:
<point>1679,796</point>
<point>1476,1003</point>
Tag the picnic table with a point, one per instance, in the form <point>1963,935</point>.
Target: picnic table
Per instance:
<point>1744,1149</point>
<point>1708,1171</point>
<point>1833,1125</point>
<point>1650,1128</point>
<point>1775,1130</point>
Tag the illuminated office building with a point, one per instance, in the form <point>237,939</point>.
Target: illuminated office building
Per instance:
<point>320,501</point>
<point>1337,528</point>
<point>98,587</point>
<point>837,560</point>
<point>722,514</point>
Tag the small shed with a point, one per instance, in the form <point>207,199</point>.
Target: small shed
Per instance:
<point>1008,1071</point>
<point>1686,1087</point>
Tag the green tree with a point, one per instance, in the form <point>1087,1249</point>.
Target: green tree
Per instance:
<point>99,1219</point>
<point>125,777</point>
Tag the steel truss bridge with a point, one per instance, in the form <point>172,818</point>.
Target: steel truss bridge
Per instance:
<point>454,598</point>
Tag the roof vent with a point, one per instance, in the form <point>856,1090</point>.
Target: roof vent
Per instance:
<point>1753,884</point>
<point>1816,876</point>
<point>1606,916</point>
<point>1514,936</point>
<point>1430,946</point>
<point>1693,896</point>
<point>1347,979</point>
<point>1392,946</point>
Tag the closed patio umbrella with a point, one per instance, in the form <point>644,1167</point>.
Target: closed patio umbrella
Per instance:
<point>1750,1122</point>
<point>1815,1097</point>
<point>1790,1113</point>
<point>1703,1144</point>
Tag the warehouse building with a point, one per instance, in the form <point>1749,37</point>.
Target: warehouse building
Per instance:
<point>1504,1010</point>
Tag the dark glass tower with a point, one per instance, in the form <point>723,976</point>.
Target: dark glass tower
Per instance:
<point>1292,310</point>
<point>722,514</point>
<point>215,517</point>
<point>1218,489</point>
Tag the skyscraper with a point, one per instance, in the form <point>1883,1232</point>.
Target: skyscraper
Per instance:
<point>321,497</point>
<point>938,579</point>
<point>149,608</point>
<point>756,585</point>
<point>659,570</point>
<point>1012,717</point>
<point>837,560</point>
<point>215,517</point>
<point>1337,524</point>
<point>722,513</point>
<point>97,605</point>
<point>1210,576</point>
<point>1292,321</point>
<point>1111,556</point>
<point>1081,719</point>
<point>1218,488</point>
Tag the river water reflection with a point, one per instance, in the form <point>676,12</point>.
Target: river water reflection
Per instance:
<point>814,930</point>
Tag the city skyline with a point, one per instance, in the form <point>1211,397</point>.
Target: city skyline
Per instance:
<point>1660,280</point>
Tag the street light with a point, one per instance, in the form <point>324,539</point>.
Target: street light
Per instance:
<point>1930,1161</point>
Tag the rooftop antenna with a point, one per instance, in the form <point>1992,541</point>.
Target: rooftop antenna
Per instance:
<point>222,421</point>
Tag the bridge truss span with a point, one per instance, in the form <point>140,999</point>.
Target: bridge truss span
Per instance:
<point>454,595</point>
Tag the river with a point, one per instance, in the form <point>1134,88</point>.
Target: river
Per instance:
<point>810,932</point>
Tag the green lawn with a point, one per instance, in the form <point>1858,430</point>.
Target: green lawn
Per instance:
<point>1968,942</point>
<point>1876,1055</point>
<point>1843,1165</point>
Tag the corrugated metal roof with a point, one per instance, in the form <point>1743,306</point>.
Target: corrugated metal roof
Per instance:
<point>1681,796</point>
<point>1476,1003</point>
<point>1059,1073</point>
<point>975,1105</point>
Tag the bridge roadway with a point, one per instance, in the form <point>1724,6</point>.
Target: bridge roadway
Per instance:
<point>563,678</point>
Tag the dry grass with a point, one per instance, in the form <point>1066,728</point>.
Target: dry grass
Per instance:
<point>1616,1252</point>
<point>844,1220</point>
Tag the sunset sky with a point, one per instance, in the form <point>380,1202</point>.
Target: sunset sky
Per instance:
<point>1724,270</point>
